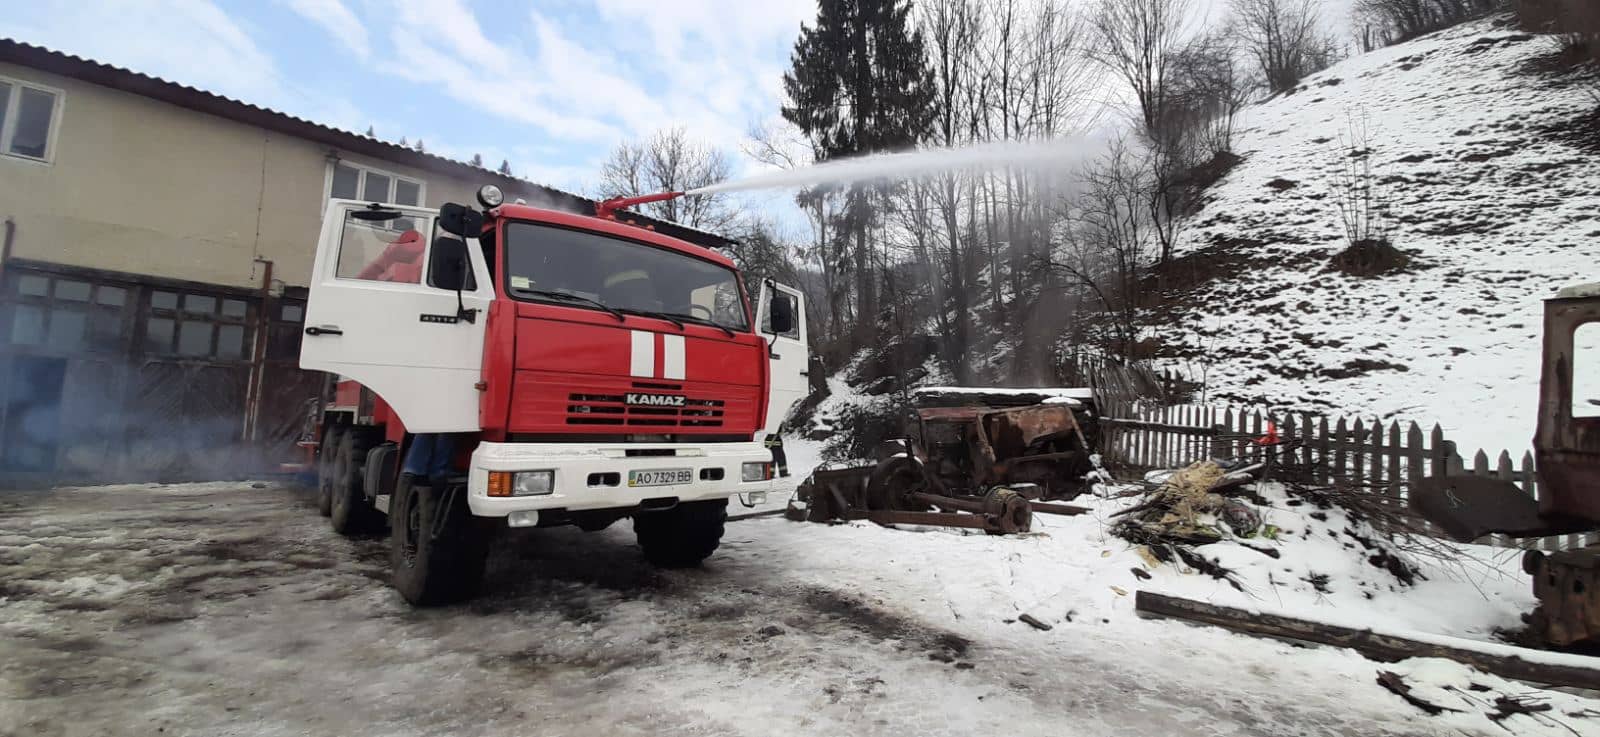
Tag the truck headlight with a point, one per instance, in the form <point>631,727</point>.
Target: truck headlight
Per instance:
<point>533,483</point>
<point>490,196</point>
<point>756,471</point>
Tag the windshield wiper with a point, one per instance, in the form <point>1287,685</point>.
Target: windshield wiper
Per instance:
<point>564,297</point>
<point>648,313</point>
<point>701,321</point>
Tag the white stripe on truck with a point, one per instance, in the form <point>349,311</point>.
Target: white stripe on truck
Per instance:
<point>672,357</point>
<point>643,361</point>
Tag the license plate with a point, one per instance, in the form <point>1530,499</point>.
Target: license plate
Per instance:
<point>660,477</point>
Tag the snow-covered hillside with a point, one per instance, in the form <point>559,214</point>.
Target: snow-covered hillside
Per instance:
<point>1489,190</point>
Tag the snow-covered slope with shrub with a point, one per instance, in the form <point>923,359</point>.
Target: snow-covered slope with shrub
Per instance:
<point>1492,191</point>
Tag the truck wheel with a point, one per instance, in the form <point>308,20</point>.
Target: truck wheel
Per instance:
<point>430,569</point>
<point>350,512</point>
<point>683,536</point>
<point>325,457</point>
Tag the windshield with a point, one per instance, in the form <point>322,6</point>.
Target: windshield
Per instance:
<point>542,261</point>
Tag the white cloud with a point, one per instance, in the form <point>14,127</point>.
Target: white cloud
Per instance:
<point>338,21</point>
<point>190,41</point>
<point>593,73</point>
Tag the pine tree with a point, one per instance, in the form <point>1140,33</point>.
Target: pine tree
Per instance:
<point>859,83</point>
<point>403,141</point>
<point>420,149</point>
<point>477,160</point>
<point>505,167</point>
<point>371,133</point>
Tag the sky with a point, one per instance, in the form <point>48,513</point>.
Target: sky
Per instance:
<point>550,86</point>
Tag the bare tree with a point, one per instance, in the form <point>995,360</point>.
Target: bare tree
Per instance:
<point>781,146</point>
<point>669,161</point>
<point>1107,241</point>
<point>1357,196</point>
<point>1210,87</point>
<point>1137,39</point>
<point>1394,21</point>
<point>1284,36</point>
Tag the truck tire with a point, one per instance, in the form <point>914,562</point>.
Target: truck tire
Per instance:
<point>325,454</point>
<point>351,513</point>
<point>683,536</point>
<point>429,570</point>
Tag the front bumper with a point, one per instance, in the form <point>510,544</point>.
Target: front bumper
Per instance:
<point>574,462</point>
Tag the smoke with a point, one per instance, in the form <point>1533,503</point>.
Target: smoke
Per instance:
<point>1059,154</point>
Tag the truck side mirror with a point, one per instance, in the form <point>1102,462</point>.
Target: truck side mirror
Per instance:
<point>460,220</point>
<point>448,267</point>
<point>781,312</point>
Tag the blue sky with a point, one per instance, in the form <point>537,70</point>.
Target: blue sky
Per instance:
<point>551,86</point>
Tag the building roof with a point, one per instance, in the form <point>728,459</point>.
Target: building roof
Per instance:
<point>127,80</point>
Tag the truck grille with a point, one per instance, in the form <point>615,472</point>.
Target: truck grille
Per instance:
<point>610,409</point>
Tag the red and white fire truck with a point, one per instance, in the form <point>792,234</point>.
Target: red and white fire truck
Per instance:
<point>586,370</point>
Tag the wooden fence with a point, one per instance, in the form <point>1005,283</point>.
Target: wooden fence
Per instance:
<point>1388,459</point>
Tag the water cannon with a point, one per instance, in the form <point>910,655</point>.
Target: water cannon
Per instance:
<point>606,210</point>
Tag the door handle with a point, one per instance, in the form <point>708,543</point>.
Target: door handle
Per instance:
<point>324,330</point>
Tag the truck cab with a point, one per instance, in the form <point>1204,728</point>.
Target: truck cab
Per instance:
<point>581,369</point>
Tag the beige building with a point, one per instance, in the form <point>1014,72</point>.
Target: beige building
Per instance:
<point>157,242</point>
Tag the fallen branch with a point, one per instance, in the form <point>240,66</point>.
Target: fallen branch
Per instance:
<point>1392,681</point>
<point>1375,645</point>
<point>1034,622</point>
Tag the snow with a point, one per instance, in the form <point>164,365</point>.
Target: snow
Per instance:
<point>245,615</point>
<point>1580,291</point>
<point>1468,695</point>
<point>1497,210</point>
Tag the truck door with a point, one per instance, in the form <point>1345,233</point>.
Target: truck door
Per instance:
<point>788,349</point>
<point>378,313</point>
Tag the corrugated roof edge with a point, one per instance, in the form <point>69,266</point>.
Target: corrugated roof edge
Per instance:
<point>138,83</point>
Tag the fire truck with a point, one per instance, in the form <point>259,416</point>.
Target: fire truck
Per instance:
<point>582,369</point>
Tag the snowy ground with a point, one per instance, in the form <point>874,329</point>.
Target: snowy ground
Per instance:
<point>1499,208</point>
<point>225,609</point>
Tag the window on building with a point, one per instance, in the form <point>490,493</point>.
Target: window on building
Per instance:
<point>200,326</point>
<point>351,182</point>
<point>62,314</point>
<point>27,117</point>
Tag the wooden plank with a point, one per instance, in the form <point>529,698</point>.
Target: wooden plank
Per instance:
<point>1322,450</point>
<point>1144,443</point>
<point>1416,454</point>
<point>1227,429</point>
<point>1393,471</point>
<point>1438,465</point>
<point>1255,426</point>
<point>1343,433</point>
<point>1358,467</point>
<point>1169,440</point>
<point>1375,456</point>
<point>1288,432</point>
<point>1308,430</point>
<point>1373,644</point>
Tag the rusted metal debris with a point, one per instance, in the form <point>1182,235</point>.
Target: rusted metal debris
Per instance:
<point>975,467</point>
<point>1563,583</point>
